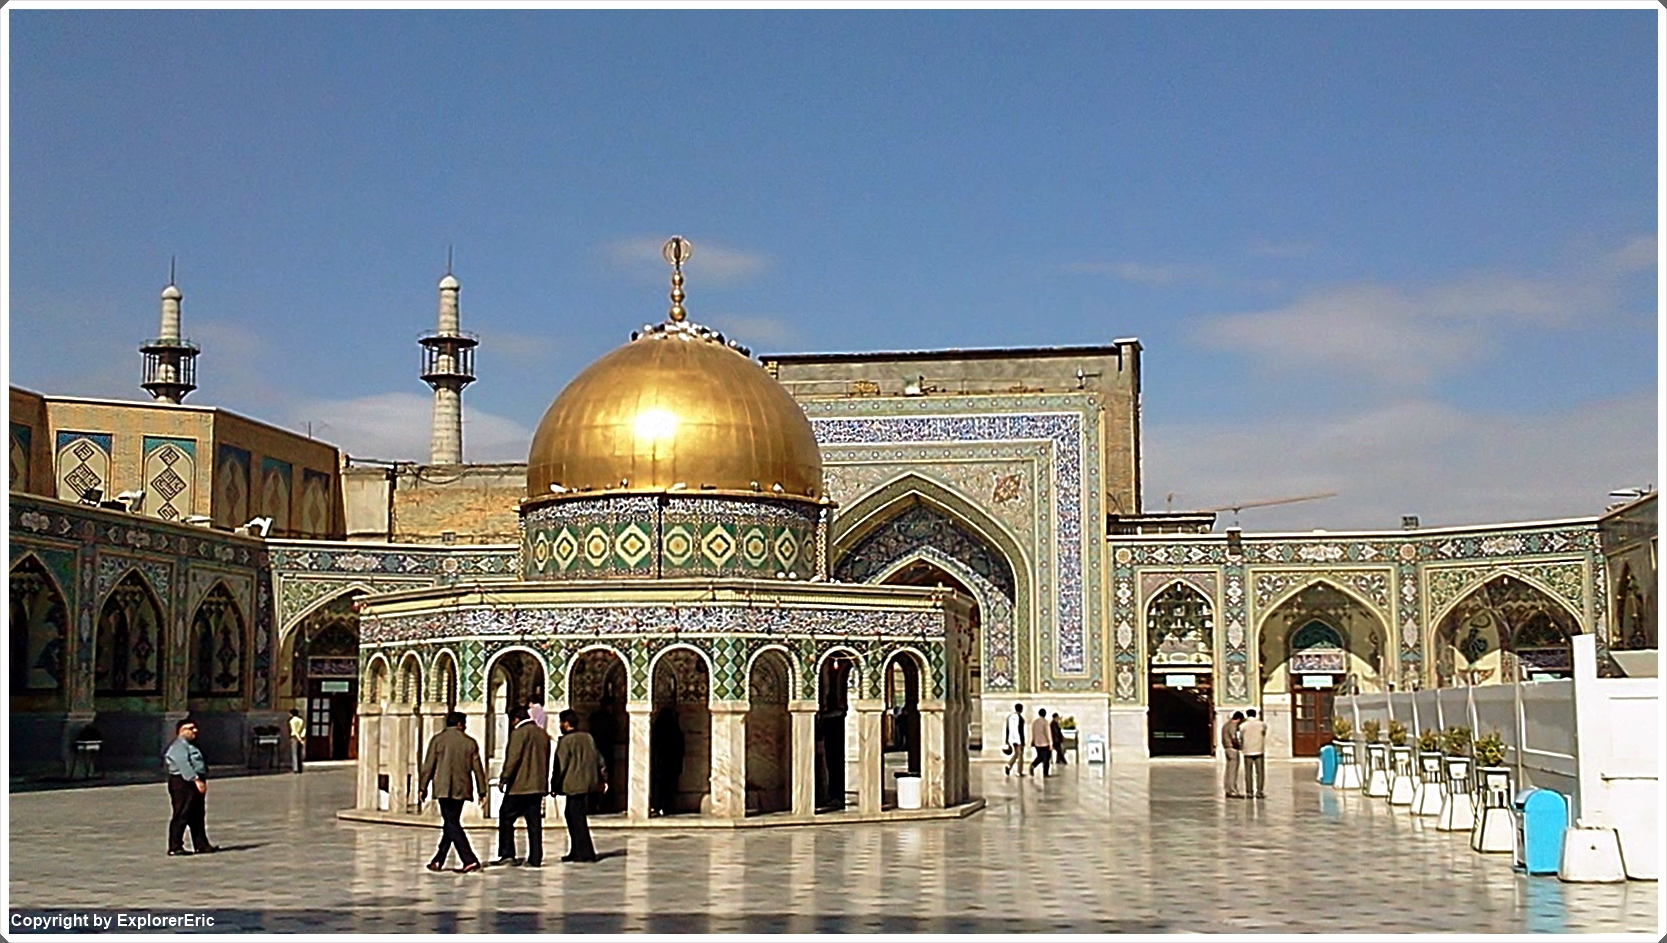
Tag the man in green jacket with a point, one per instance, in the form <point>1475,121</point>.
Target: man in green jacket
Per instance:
<point>452,766</point>
<point>579,772</point>
<point>526,768</point>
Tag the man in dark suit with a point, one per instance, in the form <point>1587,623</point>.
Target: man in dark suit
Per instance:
<point>526,770</point>
<point>452,766</point>
<point>579,772</point>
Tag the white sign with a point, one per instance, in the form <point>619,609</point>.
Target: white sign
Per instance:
<point>1182,681</point>
<point>1316,681</point>
<point>335,687</point>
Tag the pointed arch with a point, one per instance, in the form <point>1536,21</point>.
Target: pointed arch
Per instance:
<point>130,651</point>
<point>1367,651</point>
<point>1271,606</point>
<point>216,654</point>
<point>1499,627</point>
<point>1494,574</point>
<point>1180,625</point>
<point>39,627</point>
<point>444,679</point>
<point>408,681</point>
<point>769,731</point>
<point>862,518</point>
<point>377,688</point>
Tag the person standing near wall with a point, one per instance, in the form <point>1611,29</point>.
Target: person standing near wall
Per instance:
<point>1013,740</point>
<point>188,789</point>
<point>1230,750</point>
<point>1253,738</point>
<point>297,740</point>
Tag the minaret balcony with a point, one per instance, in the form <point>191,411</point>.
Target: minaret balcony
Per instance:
<point>448,359</point>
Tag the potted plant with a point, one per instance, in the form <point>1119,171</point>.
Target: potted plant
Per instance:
<point>1348,770</point>
<point>1495,829</point>
<point>1402,781</point>
<point>1377,760</point>
<point>1458,808</point>
<point>1426,793</point>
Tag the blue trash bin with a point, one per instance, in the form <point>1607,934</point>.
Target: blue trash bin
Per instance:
<point>1328,765</point>
<point>1542,816</point>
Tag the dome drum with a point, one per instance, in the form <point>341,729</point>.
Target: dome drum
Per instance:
<point>624,536</point>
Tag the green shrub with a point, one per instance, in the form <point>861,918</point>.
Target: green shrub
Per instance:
<point>1341,728</point>
<point>1369,731</point>
<point>1428,740</point>
<point>1490,749</point>
<point>1455,741</point>
<point>1397,733</point>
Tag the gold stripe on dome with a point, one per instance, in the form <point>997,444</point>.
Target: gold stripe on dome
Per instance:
<point>674,410</point>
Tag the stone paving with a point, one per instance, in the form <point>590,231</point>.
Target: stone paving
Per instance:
<point>1139,847</point>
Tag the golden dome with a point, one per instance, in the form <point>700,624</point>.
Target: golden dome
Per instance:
<point>674,409</point>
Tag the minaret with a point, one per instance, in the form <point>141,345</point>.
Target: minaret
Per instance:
<point>170,360</point>
<point>448,367</point>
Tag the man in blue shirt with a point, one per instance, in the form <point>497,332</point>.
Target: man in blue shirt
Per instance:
<point>187,787</point>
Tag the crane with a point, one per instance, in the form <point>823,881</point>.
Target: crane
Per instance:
<point>1270,502</point>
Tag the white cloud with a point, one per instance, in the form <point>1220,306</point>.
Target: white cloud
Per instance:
<point>715,263</point>
<point>1407,337</point>
<point>1142,273</point>
<point>395,426</point>
<point>1414,456</point>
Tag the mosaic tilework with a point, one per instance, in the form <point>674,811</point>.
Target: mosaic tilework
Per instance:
<point>1074,648</point>
<point>1406,579</point>
<point>170,467</point>
<point>442,564</point>
<point>83,462</point>
<point>647,536</point>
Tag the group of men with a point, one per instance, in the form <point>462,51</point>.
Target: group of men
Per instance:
<point>1043,734</point>
<point>452,768</point>
<point>1245,735</point>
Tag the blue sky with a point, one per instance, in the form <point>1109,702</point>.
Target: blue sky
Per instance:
<point>1406,256</point>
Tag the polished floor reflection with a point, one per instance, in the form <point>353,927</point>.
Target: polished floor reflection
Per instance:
<point>1147,847</point>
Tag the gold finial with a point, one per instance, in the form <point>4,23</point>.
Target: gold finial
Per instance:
<point>676,251</point>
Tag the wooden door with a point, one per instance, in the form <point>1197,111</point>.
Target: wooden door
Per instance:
<point>1310,720</point>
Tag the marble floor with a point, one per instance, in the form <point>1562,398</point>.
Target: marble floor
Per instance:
<point>1136,847</point>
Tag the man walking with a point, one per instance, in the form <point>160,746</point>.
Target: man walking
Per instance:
<point>297,739</point>
<point>579,772</point>
<point>1230,750</point>
<point>452,766</point>
<point>188,789</point>
<point>1041,737</point>
<point>1013,738</point>
<point>525,773</point>
<point>1253,735</point>
<point>1058,734</point>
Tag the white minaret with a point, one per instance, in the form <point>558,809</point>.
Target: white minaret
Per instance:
<point>448,367</point>
<point>170,360</point>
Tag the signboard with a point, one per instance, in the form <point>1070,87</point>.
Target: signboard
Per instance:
<point>1316,681</point>
<point>1182,681</point>
<point>334,687</point>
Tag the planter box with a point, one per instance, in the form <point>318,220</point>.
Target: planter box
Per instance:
<point>1377,770</point>
<point>1427,792</point>
<point>1495,828</point>
<point>1348,770</point>
<point>1402,782</point>
<point>1458,805</point>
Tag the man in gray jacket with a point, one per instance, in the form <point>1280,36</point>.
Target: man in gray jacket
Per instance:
<point>579,772</point>
<point>452,766</point>
<point>525,775</point>
<point>1253,738</point>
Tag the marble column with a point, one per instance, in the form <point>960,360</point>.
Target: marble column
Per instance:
<point>933,781</point>
<point>870,766</point>
<point>370,753</point>
<point>729,759</point>
<point>640,714</point>
<point>804,758</point>
<point>474,724</point>
<point>401,771</point>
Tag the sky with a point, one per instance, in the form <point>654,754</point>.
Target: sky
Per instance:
<point>1409,257</point>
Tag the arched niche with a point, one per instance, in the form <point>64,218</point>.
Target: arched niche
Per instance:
<point>926,568</point>
<point>680,732</point>
<point>39,631</point>
<point>596,691</point>
<point>218,655</point>
<point>514,676</point>
<point>131,646</point>
<point>1502,631</point>
<point>900,687</point>
<point>769,733</point>
<point>838,680</point>
<point>1366,660</point>
<point>443,687</point>
<point>1180,646</point>
<point>882,531</point>
<point>321,654</point>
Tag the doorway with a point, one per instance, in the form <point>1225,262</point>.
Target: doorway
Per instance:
<point>1311,710</point>
<point>1180,714</point>
<point>331,713</point>
<point>833,699</point>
